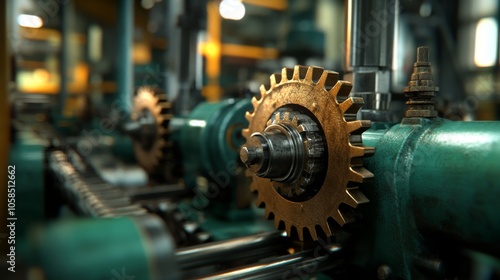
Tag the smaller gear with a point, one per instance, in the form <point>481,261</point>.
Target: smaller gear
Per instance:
<point>149,128</point>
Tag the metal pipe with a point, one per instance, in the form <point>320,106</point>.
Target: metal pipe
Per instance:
<point>145,193</point>
<point>64,57</point>
<point>125,64</point>
<point>296,265</point>
<point>369,51</point>
<point>261,244</point>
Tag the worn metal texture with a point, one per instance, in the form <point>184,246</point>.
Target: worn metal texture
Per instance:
<point>431,177</point>
<point>318,93</point>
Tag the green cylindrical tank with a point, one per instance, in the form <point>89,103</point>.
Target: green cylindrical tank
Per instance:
<point>115,248</point>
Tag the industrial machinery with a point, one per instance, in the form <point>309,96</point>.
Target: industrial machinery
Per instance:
<point>299,129</point>
<point>317,175</point>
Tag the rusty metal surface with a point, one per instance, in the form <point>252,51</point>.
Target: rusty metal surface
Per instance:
<point>421,89</point>
<point>320,93</point>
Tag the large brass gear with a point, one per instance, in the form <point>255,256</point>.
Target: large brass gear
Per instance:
<point>151,145</point>
<point>321,96</point>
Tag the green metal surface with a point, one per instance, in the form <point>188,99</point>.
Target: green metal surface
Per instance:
<point>211,137</point>
<point>117,248</point>
<point>431,177</point>
<point>27,155</point>
<point>233,228</point>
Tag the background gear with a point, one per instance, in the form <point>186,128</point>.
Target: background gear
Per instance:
<point>151,112</point>
<point>318,94</point>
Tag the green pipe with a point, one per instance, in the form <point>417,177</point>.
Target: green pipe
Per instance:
<point>431,177</point>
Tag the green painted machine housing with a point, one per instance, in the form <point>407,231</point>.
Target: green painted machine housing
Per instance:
<point>434,181</point>
<point>211,137</point>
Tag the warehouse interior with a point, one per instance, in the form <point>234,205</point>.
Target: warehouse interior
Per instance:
<point>250,139</point>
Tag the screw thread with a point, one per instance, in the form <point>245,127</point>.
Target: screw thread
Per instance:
<point>421,88</point>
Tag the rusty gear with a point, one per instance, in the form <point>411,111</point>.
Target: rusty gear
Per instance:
<point>152,145</point>
<point>313,106</point>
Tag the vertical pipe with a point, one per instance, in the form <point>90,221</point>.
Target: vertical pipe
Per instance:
<point>125,63</point>
<point>172,13</point>
<point>63,58</point>
<point>370,29</point>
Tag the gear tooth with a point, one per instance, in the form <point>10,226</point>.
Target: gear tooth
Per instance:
<point>314,74</point>
<point>369,151</point>
<point>299,72</point>
<point>263,91</point>
<point>249,116</point>
<point>341,89</point>
<point>288,229</point>
<point>357,151</point>
<point>161,97</point>
<point>246,133</point>
<point>348,215</point>
<point>355,197</point>
<point>275,79</point>
<point>300,233</point>
<point>328,79</point>
<point>277,118</point>
<point>358,127</point>
<point>255,102</point>
<point>286,116</point>
<point>326,228</point>
<point>339,218</point>
<point>286,74</point>
<point>310,232</point>
<point>359,174</point>
<point>351,105</point>
<point>165,105</point>
<point>167,117</point>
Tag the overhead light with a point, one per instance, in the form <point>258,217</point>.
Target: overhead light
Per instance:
<point>232,9</point>
<point>30,21</point>
<point>486,44</point>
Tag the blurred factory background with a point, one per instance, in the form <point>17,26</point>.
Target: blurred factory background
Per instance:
<point>124,119</point>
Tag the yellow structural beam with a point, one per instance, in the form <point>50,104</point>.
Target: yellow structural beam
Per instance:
<point>251,52</point>
<point>212,51</point>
